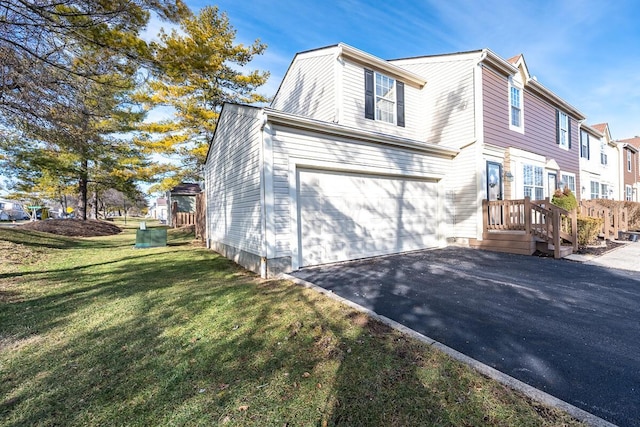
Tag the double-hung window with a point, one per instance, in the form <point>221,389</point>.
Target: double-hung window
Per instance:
<point>533,182</point>
<point>563,134</point>
<point>603,154</point>
<point>383,98</point>
<point>569,181</point>
<point>515,104</point>
<point>628,160</point>
<point>629,192</point>
<point>604,191</point>
<point>584,145</point>
<point>595,190</point>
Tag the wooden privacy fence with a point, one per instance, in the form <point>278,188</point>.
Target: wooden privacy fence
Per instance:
<point>614,220</point>
<point>539,218</point>
<point>181,219</point>
<point>197,218</point>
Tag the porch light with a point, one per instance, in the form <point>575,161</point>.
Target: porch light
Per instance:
<point>508,176</point>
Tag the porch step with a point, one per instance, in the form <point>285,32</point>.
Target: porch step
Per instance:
<point>549,248</point>
<point>514,242</point>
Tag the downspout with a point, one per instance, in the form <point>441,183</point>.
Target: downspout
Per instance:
<point>479,133</point>
<point>263,210</point>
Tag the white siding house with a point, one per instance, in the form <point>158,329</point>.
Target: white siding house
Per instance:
<point>287,191</point>
<point>359,156</point>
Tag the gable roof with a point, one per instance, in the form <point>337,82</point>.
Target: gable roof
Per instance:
<point>633,142</point>
<point>592,130</point>
<point>600,127</point>
<point>185,189</point>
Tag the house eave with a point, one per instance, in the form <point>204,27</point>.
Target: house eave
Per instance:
<point>554,99</point>
<point>490,58</point>
<point>365,59</point>
<point>290,120</point>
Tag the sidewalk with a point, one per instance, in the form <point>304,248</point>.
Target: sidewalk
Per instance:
<point>625,257</point>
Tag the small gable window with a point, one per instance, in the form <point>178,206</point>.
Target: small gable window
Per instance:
<point>384,98</point>
<point>563,130</point>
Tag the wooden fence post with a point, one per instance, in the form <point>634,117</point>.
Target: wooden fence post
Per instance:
<point>556,223</point>
<point>574,228</point>
<point>527,215</point>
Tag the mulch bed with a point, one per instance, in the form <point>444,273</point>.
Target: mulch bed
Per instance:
<point>73,227</point>
<point>599,250</point>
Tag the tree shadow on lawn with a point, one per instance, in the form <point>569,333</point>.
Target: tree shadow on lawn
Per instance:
<point>202,342</point>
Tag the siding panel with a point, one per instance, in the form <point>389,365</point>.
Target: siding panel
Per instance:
<point>539,124</point>
<point>308,89</point>
<point>447,116</point>
<point>233,180</point>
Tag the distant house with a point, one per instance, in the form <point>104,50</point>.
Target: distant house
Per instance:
<point>600,171</point>
<point>631,168</point>
<point>181,199</point>
<point>11,211</point>
<point>358,156</point>
<point>159,210</point>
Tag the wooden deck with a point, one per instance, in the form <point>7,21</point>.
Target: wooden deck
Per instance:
<point>524,226</point>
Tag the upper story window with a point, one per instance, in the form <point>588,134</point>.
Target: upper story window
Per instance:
<point>628,160</point>
<point>383,98</point>
<point>516,120</point>
<point>584,145</point>
<point>603,154</point>
<point>563,130</point>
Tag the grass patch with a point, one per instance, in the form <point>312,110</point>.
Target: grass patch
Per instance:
<point>99,333</point>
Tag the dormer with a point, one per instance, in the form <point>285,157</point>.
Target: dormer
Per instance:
<point>342,84</point>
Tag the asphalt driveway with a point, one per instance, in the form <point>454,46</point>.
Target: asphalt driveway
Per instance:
<point>569,329</point>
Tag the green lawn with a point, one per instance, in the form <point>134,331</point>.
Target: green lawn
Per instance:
<point>95,332</point>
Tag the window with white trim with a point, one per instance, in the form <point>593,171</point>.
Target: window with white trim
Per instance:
<point>604,191</point>
<point>595,190</point>
<point>533,182</point>
<point>628,160</point>
<point>568,180</point>
<point>563,130</point>
<point>603,154</point>
<point>584,145</point>
<point>516,117</point>
<point>629,193</point>
<point>385,98</point>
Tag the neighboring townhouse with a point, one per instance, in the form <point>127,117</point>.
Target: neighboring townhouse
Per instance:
<point>516,137</point>
<point>630,168</point>
<point>599,163</point>
<point>358,156</point>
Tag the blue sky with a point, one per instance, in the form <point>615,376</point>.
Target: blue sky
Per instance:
<point>586,51</point>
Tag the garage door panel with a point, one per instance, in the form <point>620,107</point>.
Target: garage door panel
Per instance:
<point>346,216</point>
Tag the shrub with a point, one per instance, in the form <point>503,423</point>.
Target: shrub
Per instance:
<point>565,199</point>
<point>588,229</point>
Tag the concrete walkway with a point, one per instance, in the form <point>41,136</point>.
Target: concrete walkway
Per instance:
<point>625,257</point>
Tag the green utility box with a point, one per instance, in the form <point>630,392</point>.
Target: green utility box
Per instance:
<point>151,238</point>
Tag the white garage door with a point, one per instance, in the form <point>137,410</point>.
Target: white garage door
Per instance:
<point>344,216</point>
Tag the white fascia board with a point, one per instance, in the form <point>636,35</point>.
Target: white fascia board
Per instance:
<point>592,131</point>
<point>554,99</point>
<point>279,117</point>
<point>367,59</point>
